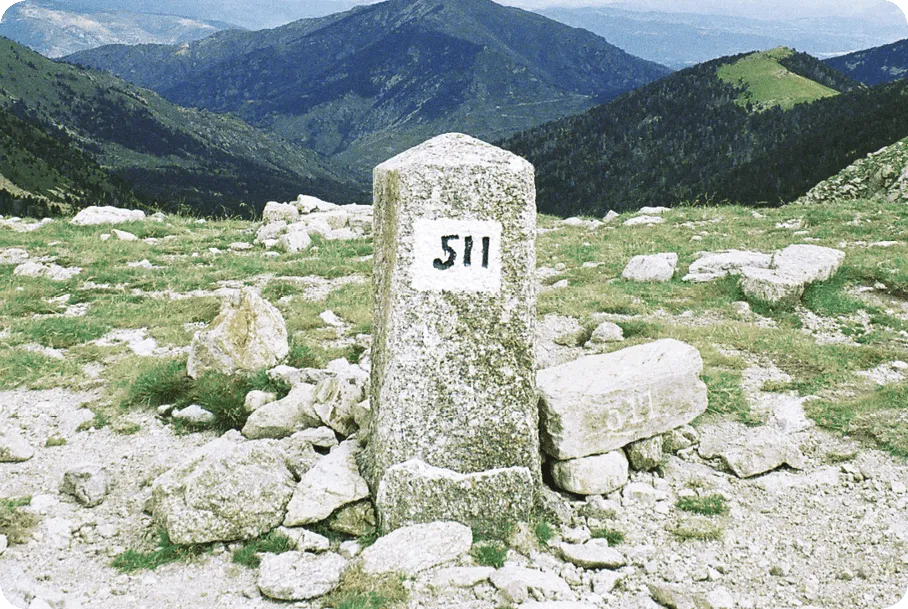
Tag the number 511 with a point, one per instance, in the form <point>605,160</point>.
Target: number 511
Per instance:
<point>443,265</point>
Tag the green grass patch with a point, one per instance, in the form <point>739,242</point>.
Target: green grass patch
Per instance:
<point>613,536</point>
<point>16,523</point>
<point>54,442</point>
<point>162,381</point>
<point>710,505</point>
<point>544,532</point>
<point>725,395</point>
<point>62,332</point>
<point>489,553</point>
<point>697,530</point>
<point>272,543</point>
<point>880,416</point>
<point>360,591</point>
<point>166,552</point>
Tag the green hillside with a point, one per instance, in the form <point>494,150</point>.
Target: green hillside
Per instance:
<point>689,138</point>
<point>369,83</point>
<point>765,83</point>
<point>168,155</point>
<point>875,66</point>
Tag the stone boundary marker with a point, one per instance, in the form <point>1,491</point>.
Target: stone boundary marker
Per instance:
<point>453,386</point>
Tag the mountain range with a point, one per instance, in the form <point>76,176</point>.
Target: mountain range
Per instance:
<point>127,143</point>
<point>682,39</point>
<point>877,65</point>
<point>363,85</point>
<point>760,128</point>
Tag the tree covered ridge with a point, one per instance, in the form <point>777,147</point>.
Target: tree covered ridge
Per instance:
<point>684,139</point>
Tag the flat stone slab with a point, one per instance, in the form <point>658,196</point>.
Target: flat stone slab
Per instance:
<point>593,554</point>
<point>491,501</point>
<point>756,452</point>
<point>332,483</point>
<point>413,549</point>
<point>299,576</point>
<point>600,403</point>
<point>596,475</point>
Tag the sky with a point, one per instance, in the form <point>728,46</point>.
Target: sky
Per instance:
<point>780,9</point>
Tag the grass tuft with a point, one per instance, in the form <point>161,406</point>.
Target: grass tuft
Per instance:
<point>710,505</point>
<point>16,523</point>
<point>614,537</point>
<point>165,553</point>
<point>544,532</point>
<point>489,553</point>
<point>360,591</point>
<point>162,382</point>
<point>272,543</point>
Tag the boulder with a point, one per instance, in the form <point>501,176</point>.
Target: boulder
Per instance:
<point>600,403</point>
<point>645,455</point>
<point>248,335</point>
<point>606,332</point>
<point>597,475</point>
<point>334,482</point>
<point>593,554</point>
<point>280,419</point>
<point>307,204</point>
<point>295,241</point>
<point>644,221</point>
<point>256,399</point>
<point>673,596</point>
<point>88,484</point>
<point>194,415</point>
<point>755,452</point>
<point>14,448</point>
<point>275,212</point>
<point>227,490</point>
<point>517,582</point>
<point>335,398</point>
<point>92,216</point>
<point>809,263</point>
<point>713,266</point>
<point>490,501</point>
<point>305,540</point>
<point>356,519</point>
<point>658,268</point>
<point>122,235</point>
<point>301,454</point>
<point>771,287</point>
<point>54,272</point>
<point>270,231</point>
<point>299,576</point>
<point>411,550</point>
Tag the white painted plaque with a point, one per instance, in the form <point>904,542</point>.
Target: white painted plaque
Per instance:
<point>457,256</point>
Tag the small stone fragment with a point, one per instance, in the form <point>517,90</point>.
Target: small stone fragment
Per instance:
<point>645,455</point>
<point>89,484</point>
<point>598,475</point>
<point>297,576</point>
<point>412,549</point>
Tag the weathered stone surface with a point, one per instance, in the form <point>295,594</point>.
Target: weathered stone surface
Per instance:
<point>679,439</point>
<point>603,402</point>
<point>305,540</point>
<point>301,455</point>
<point>809,263</point>
<point>769,286</point>
<point>122,235</point>
<point>295,241</point>
<point>256,399</point>
<point>756,452</point>
<point>606,332</point>
<point>194,415</point>
<point>657,267</point>
<point>270,231</point>
<point>275,211</point>
<point>335,398</point>
<point>282,418</point>
<point>460,577</point>
<point>516,582</point>
<point>13,255</point>
<point>333,483</point>
<point>227,490</point>
<point>412,549</point>
<point>298,576</point>
<point>91,216</point>
<point>88,484</point>
<point>14,448</point>
<point>672,596</point>
<point>248,335</point>
<point>593,554</point>
<point>356,519</point>
<point>555,605</point>
<point>597,475</point>
<point>490,501</point>
<point>54,272</point>
<point>713,266</point>
<point>453,359</point>
<point>645,455</point>
<point>644,221</point>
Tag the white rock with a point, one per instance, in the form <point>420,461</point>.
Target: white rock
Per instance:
<point>194,415</point>
<point>556,605</point>
<point>611,216</point>
<point>298,576</point>
<point>227,490</point>
<point>603,402</point>
<point>605,581</point>
<point>658,267</point>
<point>4,544</point>
<point>305,540</point>
<point>645,455</point>
<point>757,451</point>
<point>642,493</point>
<point>413,549</point>
<point>322,437</point>
<point>460,577</point>
<point>275,212</point>
<point>280,419</point>
<point>13,447</point>
<point>248,335</point>
<point>89,484</point>
<point>720,598</point>
<point>256,399</point>
<point>295,241</point>
<point>770,286</point>
<point>652,211</point>
<point>606,332</point>
<point>91,216</point>
<point>593,554</point>
<point>330,318</point>
<point>122,235</point>
<point>307,204</point>
<point>271,231</point>
<point>53,272</point>
<point>517,581</point>
<point>644,220</point>
<point>350,548</point>
<point>239,246</point>
<point>334,482</point>
<point>575,221</point>
<point>597,475</point>
<point>809,263</point>
<point>716,265</point>
<point>12,255</point>
<point>335,398</point>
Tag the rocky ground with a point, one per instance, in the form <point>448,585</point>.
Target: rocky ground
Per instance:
<point>790,491</point>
